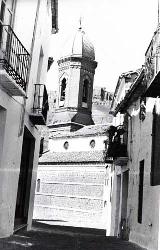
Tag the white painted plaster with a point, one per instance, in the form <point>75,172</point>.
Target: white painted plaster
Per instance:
<point>77,144</point>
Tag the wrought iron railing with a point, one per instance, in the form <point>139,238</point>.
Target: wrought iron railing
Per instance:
<point>40,105</point>
<point>117,145</point>
<point>14,58</point>
<point>117,149</point>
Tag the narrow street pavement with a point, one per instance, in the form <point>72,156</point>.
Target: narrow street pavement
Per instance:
<point>47,237</point>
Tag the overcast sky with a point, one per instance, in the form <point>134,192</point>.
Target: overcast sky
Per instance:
<point>120,31</point>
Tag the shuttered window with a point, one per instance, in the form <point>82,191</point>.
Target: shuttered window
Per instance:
<point>155,160</point>
<point>140,194</point>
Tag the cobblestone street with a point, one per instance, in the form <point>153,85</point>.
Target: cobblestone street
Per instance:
<point>47,237</point>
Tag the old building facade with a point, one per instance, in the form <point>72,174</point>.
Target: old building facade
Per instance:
<point>23,67</point>
<point>134,146</point>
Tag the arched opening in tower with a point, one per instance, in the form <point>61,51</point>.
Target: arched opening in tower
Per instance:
<point>85,91</point>
<point>63,90</point>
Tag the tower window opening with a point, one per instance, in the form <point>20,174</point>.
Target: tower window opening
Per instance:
<point>63,90</point>
<point>66,145</point>
<point>92,143</point>
<point>85,91</point>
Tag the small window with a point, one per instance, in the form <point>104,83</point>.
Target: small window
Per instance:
<point>155,160</point>
<point>38,185</point>
<point>92,143</point>
<point>85,91</point>
<point>66,145</point>
<point>41,146</point>
<point>63,90</point>
<point>102,94</point>
<point>140,195</point>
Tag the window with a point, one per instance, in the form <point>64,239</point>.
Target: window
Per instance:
<point>3,114</point>
<point>66,145</point>
<point>92,143</point>
<point>140,195</point>
<point>54,10</point>
<point>85,91</point>
<point>102,94</point>
<point>155,160</point>
<point>63,90</point>
<point>38,185</point>
<point>41,146</point>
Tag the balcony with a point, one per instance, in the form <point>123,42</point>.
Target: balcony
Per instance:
<point>117,148</point>
<point>14,63</point>
<point>40,108</point>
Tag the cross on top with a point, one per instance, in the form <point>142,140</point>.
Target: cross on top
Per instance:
<point>80,23</point>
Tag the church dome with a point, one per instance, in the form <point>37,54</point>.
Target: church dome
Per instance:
<point>79,46</point>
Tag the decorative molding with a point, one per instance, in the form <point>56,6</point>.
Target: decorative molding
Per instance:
<point>82,60</point>
<point>63,68</point>
<point>63,109</point>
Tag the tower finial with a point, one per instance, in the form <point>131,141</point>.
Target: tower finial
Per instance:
<point>80,23</point>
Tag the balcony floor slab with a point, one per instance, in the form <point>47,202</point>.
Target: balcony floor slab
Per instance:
<point>9,85</point>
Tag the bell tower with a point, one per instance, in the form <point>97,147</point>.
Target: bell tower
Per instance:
<point>76,74</point>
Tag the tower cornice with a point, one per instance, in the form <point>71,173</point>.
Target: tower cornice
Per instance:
<point>82,60</point>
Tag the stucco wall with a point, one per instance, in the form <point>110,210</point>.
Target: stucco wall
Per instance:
<point>139,146</point>
<point>10,156</point>
<point>36,39</point>
<point>13,118</point>
<point>77,144</point>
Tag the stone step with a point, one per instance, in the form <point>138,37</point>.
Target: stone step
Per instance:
<point>76,176</point>
<point>69,202</point>
<point>64,214</point>
<point>71,189</point>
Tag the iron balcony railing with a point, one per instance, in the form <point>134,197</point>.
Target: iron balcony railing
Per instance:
<point>40,105</point>
<point>14,58</point>
<point>117,149</point>
<point>117,144</point>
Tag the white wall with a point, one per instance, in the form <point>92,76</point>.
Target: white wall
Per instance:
<point>146,233</point>
<point>139,148</point>
<point>25,19</point>
<point>13,119</point>
<point>77,144</point>
<point>10,161</point>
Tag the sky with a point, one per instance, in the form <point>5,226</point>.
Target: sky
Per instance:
<point>120,31</point>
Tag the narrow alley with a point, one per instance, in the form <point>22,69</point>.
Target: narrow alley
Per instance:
<point>46,237</point>
<point>79,125</point>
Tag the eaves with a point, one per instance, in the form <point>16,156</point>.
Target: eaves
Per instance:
<point>137,90</point>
